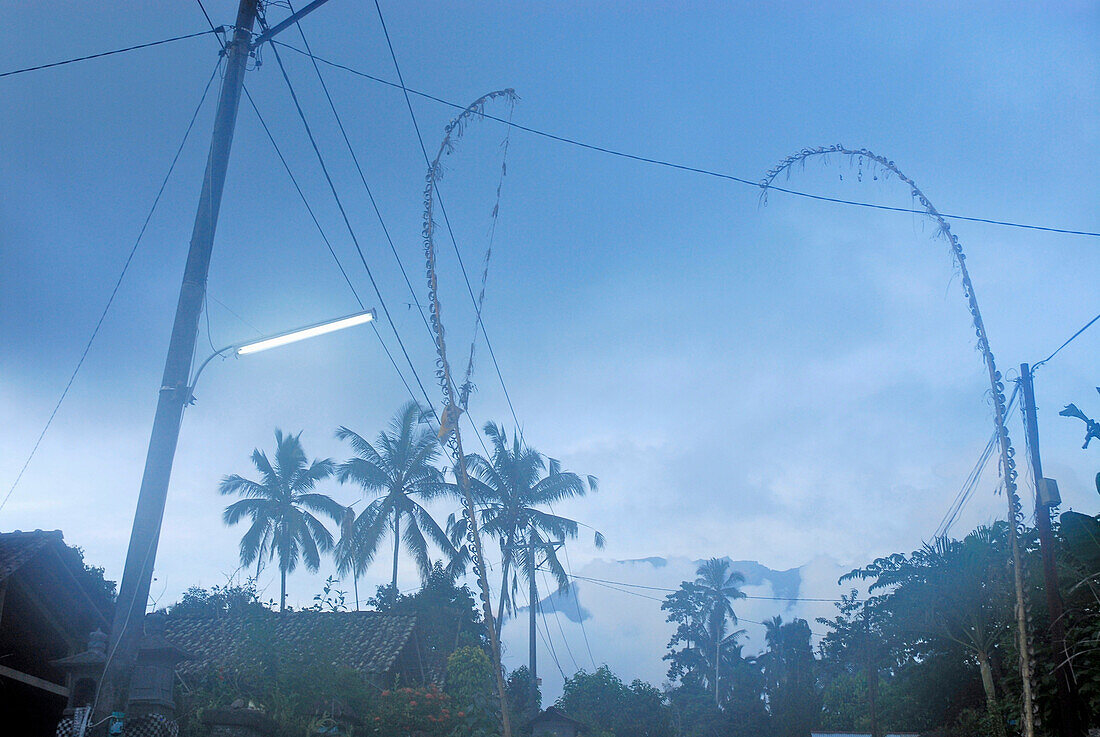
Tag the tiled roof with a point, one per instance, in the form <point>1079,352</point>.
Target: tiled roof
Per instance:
<point>554,714</point>
<point>368,642</point>
<point>16,548</point>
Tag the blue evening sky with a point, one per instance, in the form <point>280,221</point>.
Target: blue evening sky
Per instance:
<point>769,382</point>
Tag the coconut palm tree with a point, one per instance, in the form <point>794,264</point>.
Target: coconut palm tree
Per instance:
<point>344,552</point>
<point>281,507</point>
<point>719,584</point>
<point>508,489</point>
<point>955,589</point>
<point>399,466</point>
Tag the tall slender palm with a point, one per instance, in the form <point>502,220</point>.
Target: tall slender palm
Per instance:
<point>399,465</point>
<point>719,584</point>
<point>509,488</point>
<point>344,552</point>
<point>281,506</point>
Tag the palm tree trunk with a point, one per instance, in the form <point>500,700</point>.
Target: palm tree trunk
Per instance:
<point>717,646</point>
<point>991,694</point>
<point>396,546</point>
<point>871,674</point>
<point>282,589</point>
<point>504,583</point>
<point>356,585</point>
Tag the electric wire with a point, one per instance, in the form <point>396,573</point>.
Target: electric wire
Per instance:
<point>479,321</point>
<point>118,284</point>
<point>362,176</point>
<point>347,223</point>
<point>964,491</point>
<point>557,619</point>
<point>332,251</point>
<point>446,219</point>
<point>106,53</point>
<point>327,242</point>
<point>208,21</point>
<point>232,312</point>
<point>693,169</point>
<point>1071,339</point>
<point>316,222</point>
<point>665,588</point>
<point>577,604</point>
<point>546,639</point>
<point>737,618</point>
<point>972,480</point>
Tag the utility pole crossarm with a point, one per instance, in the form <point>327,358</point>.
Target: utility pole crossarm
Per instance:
<point>270,33</point>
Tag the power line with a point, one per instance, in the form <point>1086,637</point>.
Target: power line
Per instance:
<point>381,221</point>
<point>692,169</point>
<point>106,53</point>
<point>347,222</point>
<point>316,222</point>
<point>232,312</point>
<point>557,619</point>
<point>738,619</point>
<point>362,177</point>
<point>118,283</point>
<point>546,639</point>
<point>577,604</point>
<point>664,588</point>
<point>971,482</point>
<point>1071,339</point>
<point>446,219</point>
<point>327,242</point>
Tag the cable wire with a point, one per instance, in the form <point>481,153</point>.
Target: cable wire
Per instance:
<point>347,222</point>
<point>577,604</point>
<point>105,53</point>
<point>546,639</point>
<point>1071,339</point>
<point>118,283</point>
<point>381,221</point>
<point>694,169</point>
<point>665,588</point>
<point>362,176</point>
<point>557,619</point>
<point>328,243</point>
<point>737,618</point>
<point>971,482</point>
<point>446,219</point>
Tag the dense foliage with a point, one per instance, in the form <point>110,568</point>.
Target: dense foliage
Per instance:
<point>929,646</point>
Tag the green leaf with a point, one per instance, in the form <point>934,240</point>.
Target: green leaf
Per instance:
<point>1082,535</point>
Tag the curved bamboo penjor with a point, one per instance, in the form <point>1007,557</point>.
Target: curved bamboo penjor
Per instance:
<point>1008,465</point>
<point>454,398</point>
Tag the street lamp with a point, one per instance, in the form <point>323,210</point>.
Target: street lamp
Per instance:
<point>284,338</point>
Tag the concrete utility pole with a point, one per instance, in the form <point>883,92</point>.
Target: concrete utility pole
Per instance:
<point>1070,721</point>
<point>532,649</point>
<point>532,612</point>
<point>127,627</point>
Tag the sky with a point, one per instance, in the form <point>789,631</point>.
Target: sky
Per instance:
<point>773,382</point>
<point>584,627</point>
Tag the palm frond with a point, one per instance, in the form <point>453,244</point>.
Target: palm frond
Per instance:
<point>234,484</point>
<point>254,508</point>
<point>367,473</point>
<point>323,503</point>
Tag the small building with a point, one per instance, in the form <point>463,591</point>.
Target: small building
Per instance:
<point>49,604</point>
<point>383,648</point>
<point>552,722</point>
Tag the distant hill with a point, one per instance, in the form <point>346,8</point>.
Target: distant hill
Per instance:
<point>619,604</point>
